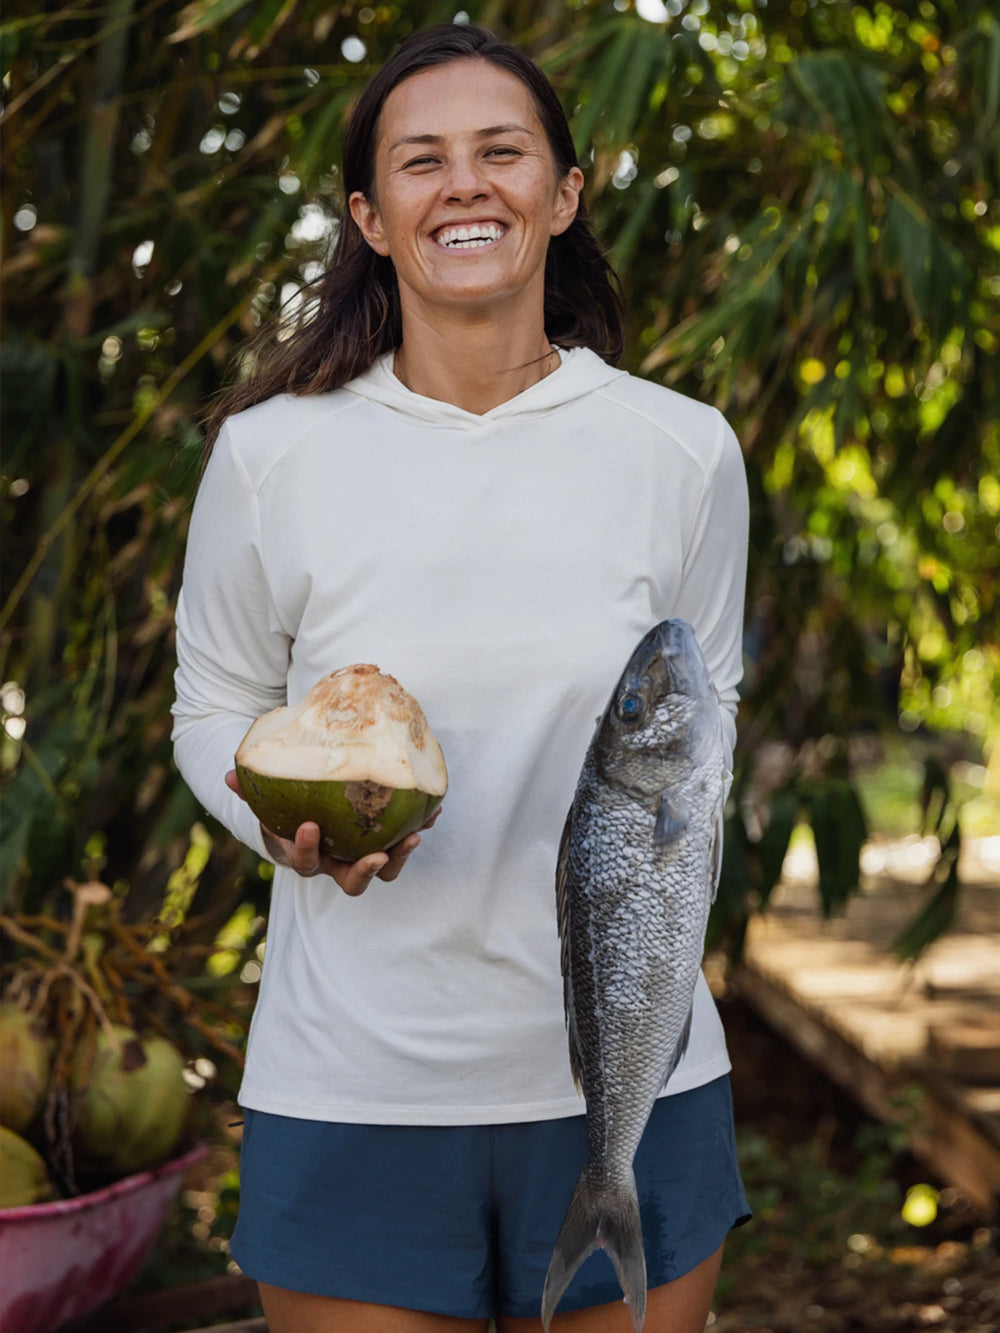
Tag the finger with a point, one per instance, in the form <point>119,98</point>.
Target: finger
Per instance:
<point>397,857</point>
<point>433,819</point>
<point>277,848</point>
<point>233,783</point>
<point>355,879</point>
<point>301,856</point>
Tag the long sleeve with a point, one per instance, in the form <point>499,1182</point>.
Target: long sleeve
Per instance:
<point>713,580</point>
<point>232,652</point>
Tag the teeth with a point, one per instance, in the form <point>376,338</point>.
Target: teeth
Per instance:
<point>469,238</point>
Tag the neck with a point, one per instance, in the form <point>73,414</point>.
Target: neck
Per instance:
<point>474,364</point>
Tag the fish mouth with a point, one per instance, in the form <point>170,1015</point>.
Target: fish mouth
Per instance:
<point>670,657</point>
<point>482,235</point>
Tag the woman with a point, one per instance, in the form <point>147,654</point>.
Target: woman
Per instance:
<point>444,474</point>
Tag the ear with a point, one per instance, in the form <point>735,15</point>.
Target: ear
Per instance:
<point>567,201</point>
<point>365,215</point>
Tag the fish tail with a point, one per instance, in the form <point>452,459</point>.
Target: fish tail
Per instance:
<point>600,1216</point>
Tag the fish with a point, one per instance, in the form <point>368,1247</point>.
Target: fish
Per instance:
<point>636,875</point>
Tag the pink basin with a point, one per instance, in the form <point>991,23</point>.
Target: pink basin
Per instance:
<point>60,1260</point>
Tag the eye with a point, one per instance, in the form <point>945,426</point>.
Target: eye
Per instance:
<point>629,707</point>
<point>419,162</point>
<point>503,152</point>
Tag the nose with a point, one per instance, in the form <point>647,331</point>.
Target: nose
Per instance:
<point>466,180</point>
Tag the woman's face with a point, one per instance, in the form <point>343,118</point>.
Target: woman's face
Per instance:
<point>466,191</point>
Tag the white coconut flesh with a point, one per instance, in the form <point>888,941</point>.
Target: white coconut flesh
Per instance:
<point>355,725</point>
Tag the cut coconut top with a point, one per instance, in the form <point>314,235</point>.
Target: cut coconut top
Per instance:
<point>355,725</point>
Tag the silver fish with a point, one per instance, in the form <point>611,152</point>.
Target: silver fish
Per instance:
<point>638,867</point>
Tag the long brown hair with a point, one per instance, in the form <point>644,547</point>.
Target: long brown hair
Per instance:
<point>357,316</point>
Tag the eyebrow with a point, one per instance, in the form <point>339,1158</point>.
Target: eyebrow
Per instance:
<point>480,134</point>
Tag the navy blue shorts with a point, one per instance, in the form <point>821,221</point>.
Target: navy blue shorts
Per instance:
<point>461,1220</point>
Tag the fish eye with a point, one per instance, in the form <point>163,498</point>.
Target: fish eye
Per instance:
<point>629,707</point>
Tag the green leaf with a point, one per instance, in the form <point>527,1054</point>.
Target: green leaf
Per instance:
<point>727,921</point>
<point>773,845</point>
<point>324,125</point>
<point>796,271</point>
<point>650,58</point>
<point>267,16</point>
<point>938,914</point>
<point>840,829</point>
<point>584,40</point>
<point>935,277</point>
<point>845,94</point>
<point>605,91</point>
<point>32,805</point>
<point>628,238</point>
<point>850,408</point>
<point>203,16</point>
<point>935,795</point>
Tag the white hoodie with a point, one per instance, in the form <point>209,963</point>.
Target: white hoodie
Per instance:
<point>502,567</point>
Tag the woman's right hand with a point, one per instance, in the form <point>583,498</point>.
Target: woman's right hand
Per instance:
<point>304,855</point>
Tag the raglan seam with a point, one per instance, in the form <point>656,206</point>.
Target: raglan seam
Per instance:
<point>291,445</point>
<point>707,466</point>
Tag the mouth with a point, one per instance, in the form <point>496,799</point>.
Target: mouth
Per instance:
<point>472,236</point>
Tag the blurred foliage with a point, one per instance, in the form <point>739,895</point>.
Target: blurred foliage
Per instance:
<point>843,1247</point>
<point>801,197</point>
<point>810,1208</point>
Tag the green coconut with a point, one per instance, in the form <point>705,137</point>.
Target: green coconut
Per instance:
<point>23,1177</point>
<point>25,1059</point>
<point>356,757</point>
<point>130,1101</point>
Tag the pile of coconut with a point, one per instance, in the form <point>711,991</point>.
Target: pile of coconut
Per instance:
<point>127,1099</point>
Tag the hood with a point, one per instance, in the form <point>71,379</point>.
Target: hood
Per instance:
<point>580,372</point>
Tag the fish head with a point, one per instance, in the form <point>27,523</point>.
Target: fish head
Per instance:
<point>663,711</point>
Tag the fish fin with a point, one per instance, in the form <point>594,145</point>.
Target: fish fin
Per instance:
<point>562,915</point>
<point>600,1217</point>
<point>715,852</point>
<point>715,862</point>
<point>670,823</point>
<point>679,1050</point>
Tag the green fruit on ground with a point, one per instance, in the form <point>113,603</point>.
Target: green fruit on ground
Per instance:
<point>130,1102</point>
<point>25,1060</point>
<point>23,1177</point>
<point>356,757</point>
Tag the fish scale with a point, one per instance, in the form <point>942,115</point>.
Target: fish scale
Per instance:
<point>638,865</point>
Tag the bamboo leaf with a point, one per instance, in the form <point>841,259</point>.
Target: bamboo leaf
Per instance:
<point>845,93</point>
<point>939,911</point>
<point>840,829</point>
<point>267,18</point>
<point>859,228</point>
<point>203,16</point>
<point>604,91</point>
<point>584,39</point>
<point>935,795</point>
<point>773,845</point>
<point>850,409</point>
<point>649,57</point>
<point>628,238</point>
<point>32,804</point>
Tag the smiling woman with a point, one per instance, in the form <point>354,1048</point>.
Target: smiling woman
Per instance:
<point>466,213</point>
<point>442,472</point>
<point>359,315</point>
